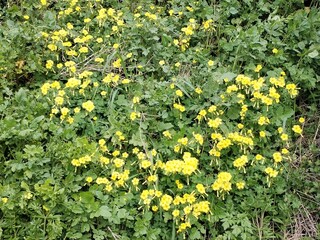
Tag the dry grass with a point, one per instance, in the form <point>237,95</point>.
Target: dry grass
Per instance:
<point>304,226</point>
<point>307,219</point>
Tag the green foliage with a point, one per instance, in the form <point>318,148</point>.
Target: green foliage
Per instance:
<point>179,115</point>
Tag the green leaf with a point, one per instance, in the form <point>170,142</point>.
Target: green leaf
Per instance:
<point>233,112</point>
<point>86,197</point>
<point>104,212</point>
<point>136,139</point>
<point>122,213</point>
<point>147,216</point>
<point>122,101</point>
<point>233,10</point>
<point>164,126</point>
<point>287,113</point>
<point>195,234</point>
<point>76,209</point>
<point>236,230</point>
<point>313,54</point>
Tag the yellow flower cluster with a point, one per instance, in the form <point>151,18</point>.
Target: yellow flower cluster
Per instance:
<point>271,172</point>
<point>228,129</point>
<point>187,166</point>
<point>180,107</point>
<point>240,139</point>
<point>222,184</point>
<point>165,202</point>
<point>88,105</point>
<point>240,162</point>
<point>81,161</point>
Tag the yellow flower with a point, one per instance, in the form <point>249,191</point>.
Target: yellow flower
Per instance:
<point>154,208</point>
<point>116,153</point>
<point>89,179</point>
<point>259,157</point>
<point>284,151</point>
<point>72,83</point>
<point>118,162</point>
<point>135,100</point>
<point>277,157</point>
<point>145,164</point>
<point>26,17</point>
<point>52,47</point>
<point>179,93</point>
<point>72,53</point>
<point>99,40</point>
<point>180,107</point>
<point>135,150</point>
<point>262,134</point>
<point>134,115</point>
<point>99,60</point>
<point>198,137</point>
<point>126,81</point>
<point>175,213</point>
<point>167,134</point>
<point>117,63</point>
<point>240,162</point>
<point>54,110</point>
<point>292,89</point>
<point>207,23</point>
<point>297,129</point>
<point>162,62</point>
<point>104,160</point>
<point>88,105</point>
<point>135,181</point>
<point>43,2</point>
<point>198,90</point>
<point>258,68</point>
<point>102,142</point>
<point>263,120</point>
<point>115,28</point>
<point>4,199</point>
<point>108,188</point>
<point>83,50</point>
<point>187,30</point>
<point>76,110</point>
<point>64,111</point>
<point>76,162</point>
<point>45,87</point>
<point>165,202</point>
<point>271,172</point>
<point>275,51</point>
<point>59,100</point>
<point>59,65</point>
<point>201,189</point>
<point>183,141</point>
<point>301,120</point>
<point>240,185</point>
<point>152,178</point>
<point>154,152</point>
<point>284,137</point>
<point>214,123</point>
<point>187,210</point>
<point>210,63</point>
<point>69,26</point>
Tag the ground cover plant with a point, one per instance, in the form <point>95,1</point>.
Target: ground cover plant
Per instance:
<point>196,118</point>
